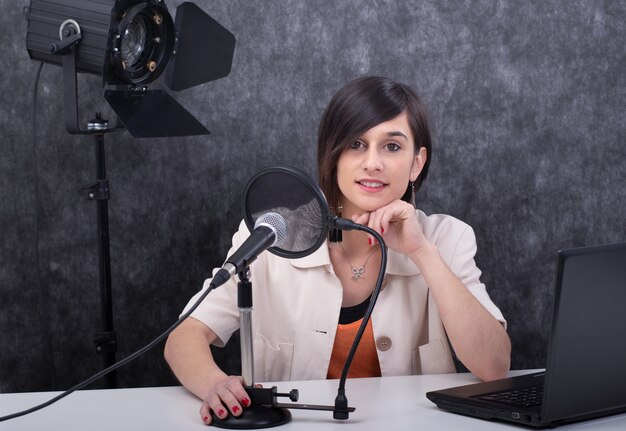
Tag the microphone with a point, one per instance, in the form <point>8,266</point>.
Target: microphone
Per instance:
<point>270,230</point>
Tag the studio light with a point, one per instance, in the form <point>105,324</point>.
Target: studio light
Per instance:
<point>131,43</point>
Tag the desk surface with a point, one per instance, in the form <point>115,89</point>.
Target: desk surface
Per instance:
<point>389,403</point>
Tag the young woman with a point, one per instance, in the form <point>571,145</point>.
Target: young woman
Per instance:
<point>373,154</point>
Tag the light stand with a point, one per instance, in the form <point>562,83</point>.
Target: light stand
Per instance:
<point>106,341</point>
<point>130,43</point>
<point>98,190</point>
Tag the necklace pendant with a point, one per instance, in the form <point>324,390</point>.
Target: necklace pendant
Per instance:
<point>358,273</point>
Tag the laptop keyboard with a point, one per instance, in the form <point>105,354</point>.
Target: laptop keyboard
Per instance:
<point>524,397</point>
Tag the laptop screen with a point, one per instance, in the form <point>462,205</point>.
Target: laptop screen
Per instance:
<point>586,366</point>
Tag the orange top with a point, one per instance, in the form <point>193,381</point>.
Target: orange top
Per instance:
<point>365,361</point>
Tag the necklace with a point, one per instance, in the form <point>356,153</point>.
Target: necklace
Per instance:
<point>357,272</point>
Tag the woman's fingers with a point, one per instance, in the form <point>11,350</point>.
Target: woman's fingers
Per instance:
<point>227,396</point>
<point>389,221</point>
<point>212,404</point>
<point>234,395</point>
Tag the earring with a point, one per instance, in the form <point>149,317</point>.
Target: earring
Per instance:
<point>412,185</point>
<point>335,235</point>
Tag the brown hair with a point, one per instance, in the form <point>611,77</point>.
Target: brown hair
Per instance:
<point>354,109</point>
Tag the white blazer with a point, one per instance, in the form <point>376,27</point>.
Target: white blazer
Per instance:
<point>296,305</point>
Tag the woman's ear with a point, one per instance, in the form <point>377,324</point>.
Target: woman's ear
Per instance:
<point>418,163</point>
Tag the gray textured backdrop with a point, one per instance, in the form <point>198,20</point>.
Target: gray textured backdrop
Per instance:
<point>527,101</point>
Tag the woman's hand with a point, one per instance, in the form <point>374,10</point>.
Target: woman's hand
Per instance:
<point>188,353</point>
<point>397,223</point>
<point>227,395</point>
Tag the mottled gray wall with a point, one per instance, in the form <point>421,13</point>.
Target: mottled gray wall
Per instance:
<point>527,101</point>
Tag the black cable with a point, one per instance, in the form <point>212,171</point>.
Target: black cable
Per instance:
<point>119,364</point>
<point>43,292</point>
<point>341,402</point>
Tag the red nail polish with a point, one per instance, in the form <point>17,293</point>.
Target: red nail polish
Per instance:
<point>245,402</point>
<point>382,229</point>
<point>235,409</point>
<point>369,241</point>
<point>205,419</point>
<point>220,413</point>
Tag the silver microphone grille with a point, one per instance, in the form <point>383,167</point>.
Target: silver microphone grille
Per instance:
<point>276,222</point>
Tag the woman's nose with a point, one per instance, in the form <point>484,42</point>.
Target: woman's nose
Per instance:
<point>372,160</point>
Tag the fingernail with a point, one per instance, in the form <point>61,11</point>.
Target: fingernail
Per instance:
<point>221,412</point>
<point>205,419</point>
<point>369,241</point>
<point>245,402</point>
<point>382,229</point>
<point>235,409</point>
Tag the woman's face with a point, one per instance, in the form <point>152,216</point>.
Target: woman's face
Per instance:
<point>375,169</point>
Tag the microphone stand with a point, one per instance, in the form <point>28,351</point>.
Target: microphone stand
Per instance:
<point>262,412</point>
<point>265,411</point>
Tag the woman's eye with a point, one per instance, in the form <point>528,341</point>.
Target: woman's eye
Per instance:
<point>356,145</point>
<point>393,147</point>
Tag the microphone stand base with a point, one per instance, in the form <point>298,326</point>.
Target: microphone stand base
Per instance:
<point>255,416</point>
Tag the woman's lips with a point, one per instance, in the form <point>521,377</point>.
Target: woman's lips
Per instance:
<point>371,185</point>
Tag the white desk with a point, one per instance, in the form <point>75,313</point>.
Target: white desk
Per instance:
<point>387,404</point>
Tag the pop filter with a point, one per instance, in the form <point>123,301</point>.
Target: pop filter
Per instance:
<point>292,194</point>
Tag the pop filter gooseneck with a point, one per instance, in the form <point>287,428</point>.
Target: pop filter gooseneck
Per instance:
<point>294,196</point>
<point>341,410</point>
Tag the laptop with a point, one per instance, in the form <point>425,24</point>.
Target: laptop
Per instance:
<point>585,374</point>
